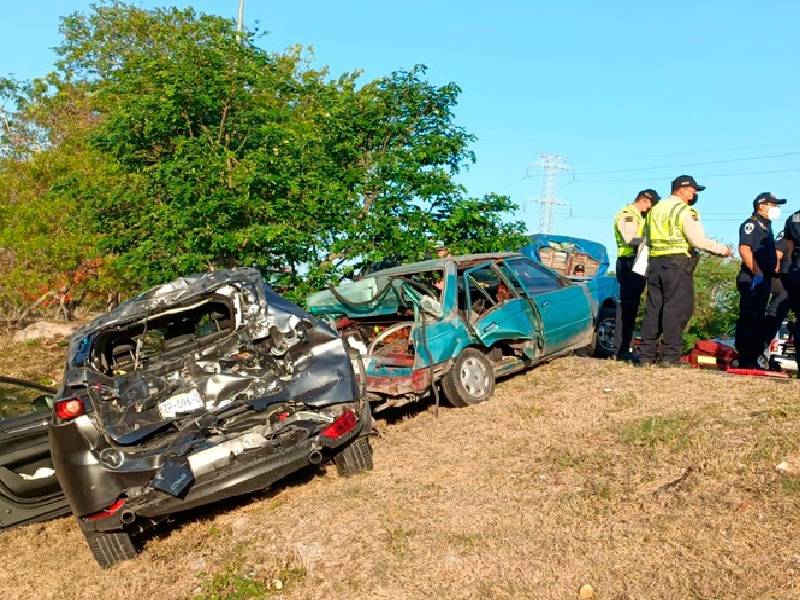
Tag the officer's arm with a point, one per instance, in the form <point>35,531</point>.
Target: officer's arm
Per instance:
<point>628,229</point>
<point>746,252</point>
<point>696,237</point>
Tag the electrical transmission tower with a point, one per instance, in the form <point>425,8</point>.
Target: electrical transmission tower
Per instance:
<point>551,164</point>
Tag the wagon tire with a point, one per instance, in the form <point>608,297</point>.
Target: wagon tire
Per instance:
<point>471,379</point>
<point>603,338</point>
<point>354,458</point>
<point>109,549</point>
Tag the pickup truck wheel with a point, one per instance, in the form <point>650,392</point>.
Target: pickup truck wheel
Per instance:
<point>354,458</point>
<point>110,548</point>
<point>604,333</point>
<point>470,381</point>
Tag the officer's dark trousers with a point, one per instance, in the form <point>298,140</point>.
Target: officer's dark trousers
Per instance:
<point>668,308</point>
<point>777,309</point>
<point>751,327</point>
<point>631,286</point>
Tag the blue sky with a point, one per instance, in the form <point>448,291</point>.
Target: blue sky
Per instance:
<point>632,93</point>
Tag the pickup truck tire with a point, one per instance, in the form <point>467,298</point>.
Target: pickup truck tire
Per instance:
<point>603,340</point>
<point>109,549</point>
<point>470,380</point>
<point>354,458</point>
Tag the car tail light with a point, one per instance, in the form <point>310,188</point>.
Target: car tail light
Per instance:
<point>107,512</point>
<point>344,424</point>
<point>773,345</point>
<point>69,408</point>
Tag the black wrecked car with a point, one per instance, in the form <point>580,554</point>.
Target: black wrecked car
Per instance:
<point>29,489</point>
<point>201,389</point>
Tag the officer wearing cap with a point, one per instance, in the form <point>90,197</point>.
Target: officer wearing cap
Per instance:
<point>673,233</point>
<point>629,233</point>
<point>759,263</point>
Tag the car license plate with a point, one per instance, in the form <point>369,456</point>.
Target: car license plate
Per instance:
<point>180,403</point>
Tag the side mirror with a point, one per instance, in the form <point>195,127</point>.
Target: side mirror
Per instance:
<point>42,403</point>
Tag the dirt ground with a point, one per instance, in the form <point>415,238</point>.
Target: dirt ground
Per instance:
<point>643,483</point>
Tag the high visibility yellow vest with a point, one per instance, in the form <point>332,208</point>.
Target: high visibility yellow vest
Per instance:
<point>629,210</point>
<point>665,230</point>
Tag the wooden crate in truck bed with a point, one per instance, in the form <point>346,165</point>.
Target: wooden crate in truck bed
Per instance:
<point>565,262</point>
<point>557,260</point>
<point>589,264</point>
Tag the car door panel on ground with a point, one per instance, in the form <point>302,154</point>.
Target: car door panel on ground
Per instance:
<point>29,489</point>
<point>564,309</point>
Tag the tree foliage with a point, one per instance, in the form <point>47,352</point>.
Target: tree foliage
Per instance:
<point>178,145</point>
<point>716,300</point>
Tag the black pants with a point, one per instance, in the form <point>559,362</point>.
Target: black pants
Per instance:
<point>668,308</point>
<point>751,327</point>
<point>777,309</point>
<point>631,286</point>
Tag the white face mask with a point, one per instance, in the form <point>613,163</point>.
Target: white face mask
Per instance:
<point>774,213</point>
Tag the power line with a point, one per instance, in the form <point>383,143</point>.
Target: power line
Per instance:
<point>703,176</point>
<point>697,164</point>
<point>715,151</point>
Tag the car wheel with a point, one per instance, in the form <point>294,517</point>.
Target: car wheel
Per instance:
<point>110,548</point>
<point>470,380</point>
<point>354,458</point>
<point>604,333</point>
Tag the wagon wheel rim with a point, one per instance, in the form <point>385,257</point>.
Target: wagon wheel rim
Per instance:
<point>605,334</point>
<point>474,377</point>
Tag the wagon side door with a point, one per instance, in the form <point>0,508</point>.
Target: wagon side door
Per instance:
<point>29,490</point>
<point>564,309</point>
<point>494,309</point>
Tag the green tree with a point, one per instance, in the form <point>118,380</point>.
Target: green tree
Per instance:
<point>195,149</point>
<point>48,253</point>
<point>716,300</point>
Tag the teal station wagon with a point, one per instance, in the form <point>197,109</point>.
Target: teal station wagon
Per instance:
<point>461,321</point>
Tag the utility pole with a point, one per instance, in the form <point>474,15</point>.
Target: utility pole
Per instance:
<point>551,164</point>
<point>240,18</point>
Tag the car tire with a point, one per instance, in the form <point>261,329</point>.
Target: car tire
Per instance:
<point>354,458</point>
<point>471,379</point>
<point>109,549</point>
<point>603,339</point>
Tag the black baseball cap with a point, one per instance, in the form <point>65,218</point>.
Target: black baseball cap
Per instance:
<point>767,197</point>
<point>651,195</point>
<point>686,181</point>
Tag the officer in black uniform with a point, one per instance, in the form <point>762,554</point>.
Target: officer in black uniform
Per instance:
<point>791,281</point>
<point>759,263</point>
<point>778,306</point>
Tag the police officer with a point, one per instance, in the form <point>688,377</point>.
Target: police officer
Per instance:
<point>791,282</point>
<point>629,233</point>
<point>778,306</point>
<point>673,232</point>
<point>754,282</point>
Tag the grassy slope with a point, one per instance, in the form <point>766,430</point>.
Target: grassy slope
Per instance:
<point>644,483</point>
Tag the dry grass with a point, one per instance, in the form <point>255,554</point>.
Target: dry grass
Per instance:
<point>644,483</point>
<point>36,360</point>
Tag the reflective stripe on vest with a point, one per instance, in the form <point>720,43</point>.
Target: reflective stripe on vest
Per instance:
<point>624,249</point>
<point>665,231</point>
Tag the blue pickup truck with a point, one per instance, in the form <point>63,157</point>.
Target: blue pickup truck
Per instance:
<point>586,262</point>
